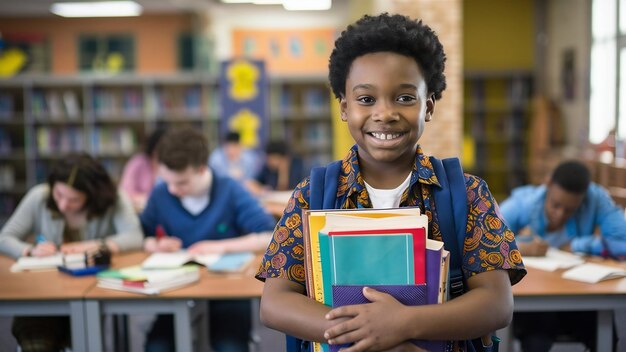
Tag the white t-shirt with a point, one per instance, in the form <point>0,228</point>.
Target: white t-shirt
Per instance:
<point>387,198</point>
<point>196,204</point>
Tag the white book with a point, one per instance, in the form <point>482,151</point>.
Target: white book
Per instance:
<point>553,260</point>
<point>47,263</point>
<point>593,273</point>
<point>228,262</point>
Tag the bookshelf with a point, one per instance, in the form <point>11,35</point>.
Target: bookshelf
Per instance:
<point>42,118</point>
<point>300,114</point>
<point>497,117</point>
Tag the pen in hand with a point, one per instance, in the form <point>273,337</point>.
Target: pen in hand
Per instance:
<point>43,247</point>
<point>165,242</point>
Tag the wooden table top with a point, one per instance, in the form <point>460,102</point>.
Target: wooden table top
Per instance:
<point>545,283</point>
<point>210,286</point>
<point>41,285</point>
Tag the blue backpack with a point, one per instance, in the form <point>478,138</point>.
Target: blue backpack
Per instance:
<point>451,201</point>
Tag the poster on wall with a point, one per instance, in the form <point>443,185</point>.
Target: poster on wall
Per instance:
<point>293,51</point>
<point>24,53</point>
<point>244,101</point>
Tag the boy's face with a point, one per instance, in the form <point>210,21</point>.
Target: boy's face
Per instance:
<point>386,106</point>
<point>560,205</point>
<point>183,183</point>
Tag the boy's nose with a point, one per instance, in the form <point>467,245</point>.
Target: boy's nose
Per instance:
<point>385,112</point>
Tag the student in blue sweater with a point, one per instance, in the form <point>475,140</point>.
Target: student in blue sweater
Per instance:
<point>202,212</point>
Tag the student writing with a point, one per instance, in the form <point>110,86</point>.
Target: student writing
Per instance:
<point>78,210</point>
<point>203,212</point>
<point>571,213</point>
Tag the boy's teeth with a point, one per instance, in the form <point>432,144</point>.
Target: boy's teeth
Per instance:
<point>385,135</point>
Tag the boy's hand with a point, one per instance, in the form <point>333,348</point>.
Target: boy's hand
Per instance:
<point>206,247</point>
<point>165,244</point>
<point>374,326</point>
<point>534,248</point>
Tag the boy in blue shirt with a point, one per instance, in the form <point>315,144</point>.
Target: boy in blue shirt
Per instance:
<point>387,73</point>
<point>198,210</point>
<point>564,213</point>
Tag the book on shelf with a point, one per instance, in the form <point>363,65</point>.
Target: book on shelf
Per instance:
<point>392,252</point>
<point>226,263</point>
<point>593,273</point>
<point>6,106</point>
<point>148,281</point>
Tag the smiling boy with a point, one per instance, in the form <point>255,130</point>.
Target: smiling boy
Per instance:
<point>387,72</point>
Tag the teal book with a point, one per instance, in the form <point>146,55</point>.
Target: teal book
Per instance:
<point>371,259</point>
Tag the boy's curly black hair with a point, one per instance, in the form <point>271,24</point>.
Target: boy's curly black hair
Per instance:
<point>393,33</point>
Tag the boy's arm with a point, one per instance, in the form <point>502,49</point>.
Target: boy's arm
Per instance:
<point>488,306</point>
<point>610,219</point>
<point>285,307</point>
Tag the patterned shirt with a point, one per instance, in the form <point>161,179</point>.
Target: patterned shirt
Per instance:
<point>489,243</point>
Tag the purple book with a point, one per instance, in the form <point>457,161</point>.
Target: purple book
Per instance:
<point>433,269</point>
<point>410,295</point>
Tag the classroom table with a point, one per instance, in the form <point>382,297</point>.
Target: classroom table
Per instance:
<point>544,291</point>
<point>187,304</point>
<point>45,293</point>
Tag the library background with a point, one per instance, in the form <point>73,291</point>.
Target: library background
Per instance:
<point>517,98</point>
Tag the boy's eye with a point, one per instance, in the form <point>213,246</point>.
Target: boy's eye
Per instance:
<point>406,98</point>
<point>365,99</point>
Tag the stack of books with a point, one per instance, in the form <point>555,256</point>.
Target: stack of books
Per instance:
<point>385,249</point>
<point>148,281</point>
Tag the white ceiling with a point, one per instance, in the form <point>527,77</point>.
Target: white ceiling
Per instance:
<point>13,8</point>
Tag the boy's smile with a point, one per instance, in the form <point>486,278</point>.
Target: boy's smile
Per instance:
<point>386,107</point>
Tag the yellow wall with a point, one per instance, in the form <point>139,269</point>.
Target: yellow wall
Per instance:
<point>498,34</point>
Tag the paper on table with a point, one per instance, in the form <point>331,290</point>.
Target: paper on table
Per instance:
<point>593,273</point>
<point>553,260</point>
<point>46,263</point>
<point>177,259</point>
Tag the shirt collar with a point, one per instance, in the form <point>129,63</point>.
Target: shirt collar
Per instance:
<point>352,180</point>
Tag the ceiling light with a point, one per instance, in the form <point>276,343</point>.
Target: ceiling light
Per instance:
<point>267,2</point>
<point>96,9</point>
<point>301,5</point>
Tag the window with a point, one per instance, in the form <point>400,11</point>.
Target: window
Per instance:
<point>605,113</point>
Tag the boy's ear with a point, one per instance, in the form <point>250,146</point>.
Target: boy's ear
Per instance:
<point>343,106</point>
<point>430,107</point>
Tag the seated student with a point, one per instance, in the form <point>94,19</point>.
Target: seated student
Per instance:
<point>140,172</point>
<point>78,210</point>
<point>234,160</point>
<point>387,73</point>
<point>203,213</point>
<point>564,213</point>
<point>281,171</point>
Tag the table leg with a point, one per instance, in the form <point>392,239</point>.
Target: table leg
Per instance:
<point>604,338</point>
<point>93,326</point>
<point>182,331</point>
<point>78,326</point>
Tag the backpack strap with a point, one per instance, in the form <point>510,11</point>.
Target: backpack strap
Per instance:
<point>451,203</point>
<point>323,186</point>
<point>323,195</point>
